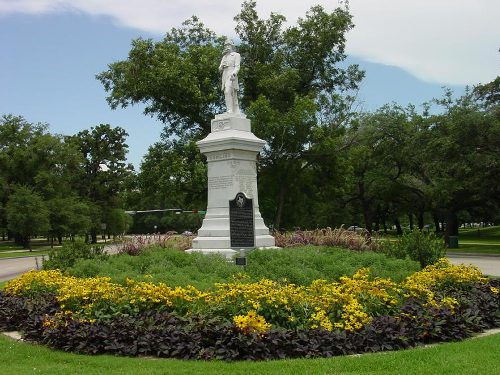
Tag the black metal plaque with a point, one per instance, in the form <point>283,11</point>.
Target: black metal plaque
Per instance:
<point>241,226</point>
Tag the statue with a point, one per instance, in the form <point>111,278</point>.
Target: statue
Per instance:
<point>230,66</point>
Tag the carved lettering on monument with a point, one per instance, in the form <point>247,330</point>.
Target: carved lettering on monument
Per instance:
<point>218,156</point>
<point>246,171</point>
<point>246,183</point>
<point>220,182</point>
<point>234,164</point>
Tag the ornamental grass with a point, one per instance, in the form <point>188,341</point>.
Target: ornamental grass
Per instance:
<point>327,237</point>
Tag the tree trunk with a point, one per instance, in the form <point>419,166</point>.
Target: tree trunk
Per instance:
<point>410,218</point>
<point>93,236</point>
<point>451,225</point>
<point>27,243</point>
<point>399,230</point>
<point>367,217</point>
<point>279,211</point>
<point>420,219</point>
<point>437,227</point>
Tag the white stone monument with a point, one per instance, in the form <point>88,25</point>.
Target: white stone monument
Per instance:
<point>231,150</point>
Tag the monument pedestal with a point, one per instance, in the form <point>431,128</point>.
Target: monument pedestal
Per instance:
<point>231,150</point>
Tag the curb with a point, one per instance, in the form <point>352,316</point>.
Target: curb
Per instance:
<point>454,254</point>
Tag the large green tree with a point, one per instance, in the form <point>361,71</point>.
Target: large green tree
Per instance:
<point>292,78</point>
<point>31,156</point>
<point>104,170</point>
<point>460,161</point>
<point>27,215</point>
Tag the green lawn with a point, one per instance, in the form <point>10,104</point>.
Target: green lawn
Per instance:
<point>476,356</point>
<point>24,254</point>
<point>35,244</point>
<point>488,233</point>
<point>473,240</point>
<point>479,240</point>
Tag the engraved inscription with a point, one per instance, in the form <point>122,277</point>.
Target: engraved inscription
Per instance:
<point>245,183</point>
<point>241,225</point>
<point>220,125</point>
<point>218,156</point>
<point>247,171</point>
<point>220,182</point>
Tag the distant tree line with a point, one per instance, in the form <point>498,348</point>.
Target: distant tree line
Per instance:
<point>325,162</point>
<point>61,186</point>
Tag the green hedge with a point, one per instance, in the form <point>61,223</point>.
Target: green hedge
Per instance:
<point>296,265</point>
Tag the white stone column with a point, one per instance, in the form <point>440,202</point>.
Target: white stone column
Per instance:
<point>231,150</point>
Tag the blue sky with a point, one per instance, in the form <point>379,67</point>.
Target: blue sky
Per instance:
<point>51,51</point>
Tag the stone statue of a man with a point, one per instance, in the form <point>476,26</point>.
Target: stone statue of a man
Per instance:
<point>230,66</point>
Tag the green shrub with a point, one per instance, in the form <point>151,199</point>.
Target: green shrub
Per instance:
<point>305,264</point>
<point>296,265</point>
<point>70,252</point>
<point>424,248</point>
<point>169,266</point>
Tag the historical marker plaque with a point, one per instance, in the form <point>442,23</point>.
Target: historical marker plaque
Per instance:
<point>241,225</point>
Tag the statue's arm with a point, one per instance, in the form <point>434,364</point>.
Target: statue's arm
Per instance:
<point>221,65</point>
<point>237,61</point>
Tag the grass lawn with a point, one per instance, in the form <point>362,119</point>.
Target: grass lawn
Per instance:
<point>488,233</point>
<point>24,254</point>
<point>476,356</point>
<point>35,244</point>
<point>479,240</point>
<point>472,240</point>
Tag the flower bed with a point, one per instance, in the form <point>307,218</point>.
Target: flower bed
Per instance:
<point>251,320</point>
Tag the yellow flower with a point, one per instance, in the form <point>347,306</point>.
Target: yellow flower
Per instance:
<point>252,322</point>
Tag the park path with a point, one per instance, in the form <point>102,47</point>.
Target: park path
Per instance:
<point>489,264</point>
<point>13,267</point>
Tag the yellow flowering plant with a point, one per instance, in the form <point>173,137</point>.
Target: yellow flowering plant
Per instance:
<point>347,304</point>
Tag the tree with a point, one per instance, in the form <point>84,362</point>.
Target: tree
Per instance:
<point>27,215</point>
<point>176,78</point>
<point>290,76</point>
<point>380,160</point>
<point>104,169</point>
<point>68,216</point>
<point>31,156</point>
<point>489,92</point>
<point>173,175</point>
<point>118,222</point>
<point>462,158</point>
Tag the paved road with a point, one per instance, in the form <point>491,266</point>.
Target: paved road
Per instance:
<point>12,267</point>
<point>488,264</point>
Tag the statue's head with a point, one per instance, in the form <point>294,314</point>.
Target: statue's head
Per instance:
<point>228,46</point>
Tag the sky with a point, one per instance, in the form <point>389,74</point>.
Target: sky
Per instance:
<point>51,50</point>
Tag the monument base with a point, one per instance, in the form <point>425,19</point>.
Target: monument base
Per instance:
<point>231,150</point>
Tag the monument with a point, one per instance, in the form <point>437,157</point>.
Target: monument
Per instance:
<point>233,220</point>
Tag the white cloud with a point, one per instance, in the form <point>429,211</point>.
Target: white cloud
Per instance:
<point>443,41</point>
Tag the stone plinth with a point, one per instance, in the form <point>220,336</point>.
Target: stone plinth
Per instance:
<point>231,150</point>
